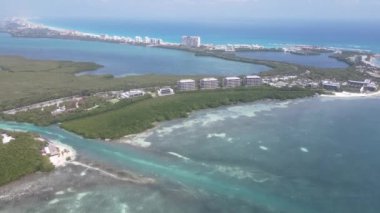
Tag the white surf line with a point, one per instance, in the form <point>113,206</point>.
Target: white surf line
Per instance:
<point>143,179</point>
<point>178,155</point>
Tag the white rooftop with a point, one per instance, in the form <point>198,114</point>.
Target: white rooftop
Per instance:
<point>187,81</point>
<point>165,88</point>
<point>252,76</point>
<point>232,78</point>
<point>136,90</point>
<point>209,79</point>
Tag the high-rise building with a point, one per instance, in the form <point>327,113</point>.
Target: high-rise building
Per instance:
<point>146,40</point>
<point>138,39</point>
<point>191,41</point>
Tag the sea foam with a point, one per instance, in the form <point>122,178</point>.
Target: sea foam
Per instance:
<point>209,117</point>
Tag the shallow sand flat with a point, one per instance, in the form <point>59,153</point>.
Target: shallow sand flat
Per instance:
<point>67,154</point>
<point>63,180</point>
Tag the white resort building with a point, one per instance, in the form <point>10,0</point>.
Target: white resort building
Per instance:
<point>165,91</point>
<point>191,41</point>
<point>209,83</point>
<point>231,82</point>
<point>186,85</point>
<point>133,93</point>
<point>252,80</point>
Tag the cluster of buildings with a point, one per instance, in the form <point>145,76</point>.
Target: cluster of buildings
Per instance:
<point>363,86</point>
<point>366,85</point>
<point>146,40</point>
<point>23,27</point>
<point>235,47</point>
<point>332,85</point>
<point>214,83</point>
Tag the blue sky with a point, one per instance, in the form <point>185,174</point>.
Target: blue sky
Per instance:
<point>196,9</point>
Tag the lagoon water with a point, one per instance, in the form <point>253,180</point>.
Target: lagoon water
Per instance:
<point>124,60</point>
<point>310,155</point>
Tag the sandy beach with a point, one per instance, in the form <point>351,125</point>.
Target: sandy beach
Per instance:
<point>64,154</point>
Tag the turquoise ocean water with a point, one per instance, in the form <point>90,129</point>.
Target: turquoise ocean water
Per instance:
<point>311,155</point>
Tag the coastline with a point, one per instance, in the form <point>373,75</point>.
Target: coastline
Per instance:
<point>351,95</point>
<point>25,28</point>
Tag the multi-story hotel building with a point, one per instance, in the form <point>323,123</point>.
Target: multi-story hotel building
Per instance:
<point>209,83</point>
<point>186,85</point>
<point>231,82</point>
<point>252,80</point>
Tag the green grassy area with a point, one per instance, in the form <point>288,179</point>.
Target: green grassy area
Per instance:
<point>141,115</point>
<point>284,68</point>
<point>21,157</point>
<point>24,81</point>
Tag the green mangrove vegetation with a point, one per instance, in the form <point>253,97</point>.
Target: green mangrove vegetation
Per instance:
<point>24,81</point>
<point>21,157</point>
<point>142,115</point>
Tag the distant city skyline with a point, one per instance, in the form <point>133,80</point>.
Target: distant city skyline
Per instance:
<point>209,10</point>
